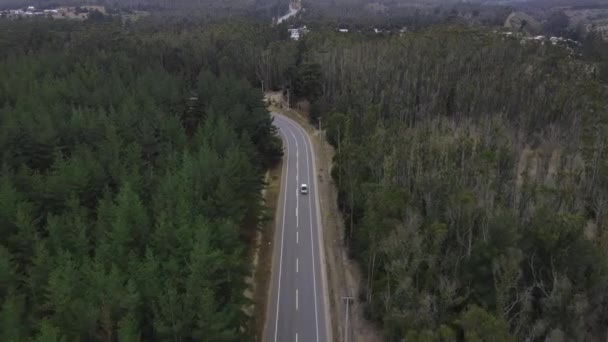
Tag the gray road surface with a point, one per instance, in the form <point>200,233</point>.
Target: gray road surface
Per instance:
<point>298,302</point>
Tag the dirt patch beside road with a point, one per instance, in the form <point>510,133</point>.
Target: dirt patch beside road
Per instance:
<point>344,275</point>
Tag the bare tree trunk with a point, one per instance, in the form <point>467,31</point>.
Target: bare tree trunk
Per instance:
<point>352,208</point>
<point>370,274</point>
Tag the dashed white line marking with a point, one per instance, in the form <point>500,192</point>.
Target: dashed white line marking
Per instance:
<point>276,324</point>
<point>297,237</point>
<point>296,337</point>
<point>312,244</point>
<point>297,264</point>
<point>296,299</point>
<point>297,177</point>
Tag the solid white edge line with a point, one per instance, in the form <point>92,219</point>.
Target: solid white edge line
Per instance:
<point>276,324</point>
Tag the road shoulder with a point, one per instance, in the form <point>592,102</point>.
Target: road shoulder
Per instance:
<point>263,259</point>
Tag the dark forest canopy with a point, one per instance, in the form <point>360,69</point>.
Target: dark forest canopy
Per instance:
<point>473,181</point>
<point>131,170</point>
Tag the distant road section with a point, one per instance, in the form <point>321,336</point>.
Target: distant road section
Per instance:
<point>297,307</point>
<point>294,8</point>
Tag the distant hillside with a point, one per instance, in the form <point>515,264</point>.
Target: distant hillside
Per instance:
<point>157,4</point>
<point>357,14</point>
<point>521,22</point>
<point>392,3</point>
<point>572,17</point>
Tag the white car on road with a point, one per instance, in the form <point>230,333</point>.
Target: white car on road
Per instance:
<point>304,189</point>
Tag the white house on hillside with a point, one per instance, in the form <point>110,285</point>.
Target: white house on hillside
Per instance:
<point>296,33</point>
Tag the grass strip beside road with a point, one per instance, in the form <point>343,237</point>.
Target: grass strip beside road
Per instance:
<point>263,269</point>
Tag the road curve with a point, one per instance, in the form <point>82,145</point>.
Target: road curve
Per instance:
<point>292,11</point>
<point>298,300</point>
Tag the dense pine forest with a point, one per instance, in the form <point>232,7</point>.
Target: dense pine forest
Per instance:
<point>473,181</point>
<point>132,164</point>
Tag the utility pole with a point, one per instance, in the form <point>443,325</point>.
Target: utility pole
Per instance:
<point>348,299</point>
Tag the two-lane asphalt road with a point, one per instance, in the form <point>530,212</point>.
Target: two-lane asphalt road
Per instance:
<point>297,307</point>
